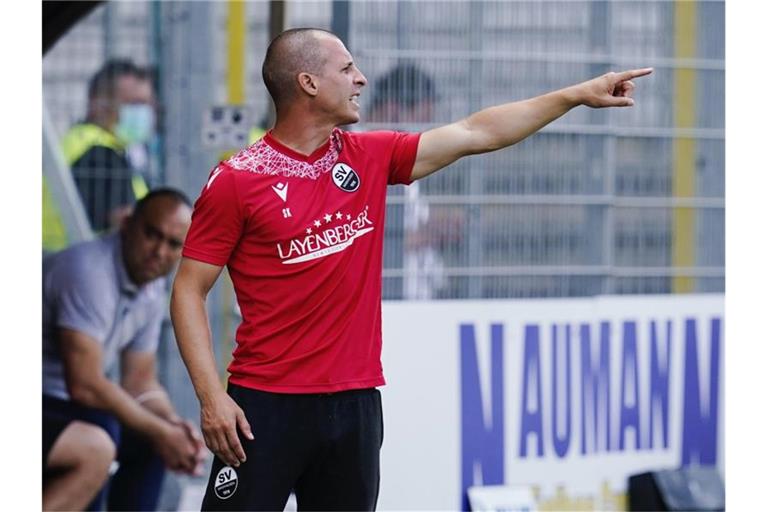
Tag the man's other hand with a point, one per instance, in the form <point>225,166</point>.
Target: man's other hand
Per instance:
<point>177,449</point>
<point>220,418</point>
<point>196,437</point>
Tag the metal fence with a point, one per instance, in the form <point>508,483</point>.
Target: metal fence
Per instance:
<point>588,206</point>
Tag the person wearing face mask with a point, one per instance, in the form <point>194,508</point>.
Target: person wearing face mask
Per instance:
<point>120,116</point>
<point>138,128</point>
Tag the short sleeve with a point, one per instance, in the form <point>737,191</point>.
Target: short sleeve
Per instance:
<point>217,219</point>
<point>148,337</point>
<point>78,301</point>
<point>404,148</point>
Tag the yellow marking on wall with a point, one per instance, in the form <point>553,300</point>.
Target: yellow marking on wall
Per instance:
<point>236,76</point>
<point>236,52</point>
<point>684,149</point>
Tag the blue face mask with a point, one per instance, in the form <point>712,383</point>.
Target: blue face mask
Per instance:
<point>135,123</point>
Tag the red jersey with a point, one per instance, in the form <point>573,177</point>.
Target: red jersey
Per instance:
<point>302,237</point>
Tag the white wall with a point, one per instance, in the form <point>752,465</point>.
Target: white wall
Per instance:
<point>423,410</point>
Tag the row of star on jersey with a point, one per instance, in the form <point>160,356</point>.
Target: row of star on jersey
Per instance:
<point>328,218</point>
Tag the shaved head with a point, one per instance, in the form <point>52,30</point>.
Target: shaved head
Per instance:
<point>292,52</point>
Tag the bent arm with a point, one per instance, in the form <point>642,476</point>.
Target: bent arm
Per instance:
<point>220,416</point>
<point>87,384</point>
<point>504,125</point>
<point>139,379</point>
<point>190,323</point>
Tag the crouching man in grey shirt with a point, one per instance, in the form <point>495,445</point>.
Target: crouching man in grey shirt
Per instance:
<point>103,305</point>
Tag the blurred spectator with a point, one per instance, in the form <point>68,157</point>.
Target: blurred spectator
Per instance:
<point>141,147</point>
<point>104,301</point>
<point>120,114</point>
<point>406,95</point>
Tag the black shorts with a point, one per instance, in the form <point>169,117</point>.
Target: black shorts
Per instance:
<point>139,479</point>
<point>53,426</point>
<point>58,414</point>
<point>323,447</point>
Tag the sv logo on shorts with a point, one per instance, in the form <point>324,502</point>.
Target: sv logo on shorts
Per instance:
<point>345,177</point>
<point>225,484</point>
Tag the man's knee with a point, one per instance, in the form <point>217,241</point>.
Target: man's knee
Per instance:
<point>98,445</point>
<point>83,444</point>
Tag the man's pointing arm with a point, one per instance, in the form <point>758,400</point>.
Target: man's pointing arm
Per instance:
<point>504,125</point>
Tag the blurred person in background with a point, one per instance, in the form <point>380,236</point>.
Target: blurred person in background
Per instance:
<point>298,219</point>
<point>103,306</point>
<point>121,115</point>
<point>141,146</point>
<point>405,95</point>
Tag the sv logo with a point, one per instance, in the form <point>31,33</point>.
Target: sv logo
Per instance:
<point>345,177</point>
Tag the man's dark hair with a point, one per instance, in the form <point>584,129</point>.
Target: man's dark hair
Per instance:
<point>171,193</point>
<point>406,84</point>
<point>103,83</point>
<point>290,53</point>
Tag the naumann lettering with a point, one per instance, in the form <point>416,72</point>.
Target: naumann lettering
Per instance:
<point>622,377</point>
<point>326,241</point>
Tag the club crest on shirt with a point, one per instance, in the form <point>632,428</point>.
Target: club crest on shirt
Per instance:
<point>345,177</point>
<point>225,484</point>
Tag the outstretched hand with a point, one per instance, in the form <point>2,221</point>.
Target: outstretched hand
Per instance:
<point>611,89</point>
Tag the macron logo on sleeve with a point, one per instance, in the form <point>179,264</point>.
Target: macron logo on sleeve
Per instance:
<point>213,177</point>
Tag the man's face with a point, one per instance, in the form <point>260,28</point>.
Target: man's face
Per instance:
<point>127,90</point>
<point>340,82</point>
<point>132,89</point>
<point>153,239</point>
<point>134,104</point>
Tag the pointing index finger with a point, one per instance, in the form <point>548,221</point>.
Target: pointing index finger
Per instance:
<point>634,73</point>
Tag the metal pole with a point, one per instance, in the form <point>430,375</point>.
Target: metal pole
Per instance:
<point>62,185</point>
<point>684,149</point>
<point>475,233</point>
<point>340,20</point>
<point>276,26</point>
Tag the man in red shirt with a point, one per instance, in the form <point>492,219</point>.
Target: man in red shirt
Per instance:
<point>298,219</point>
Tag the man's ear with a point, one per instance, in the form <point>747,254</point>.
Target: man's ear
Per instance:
<point>308,83</point>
